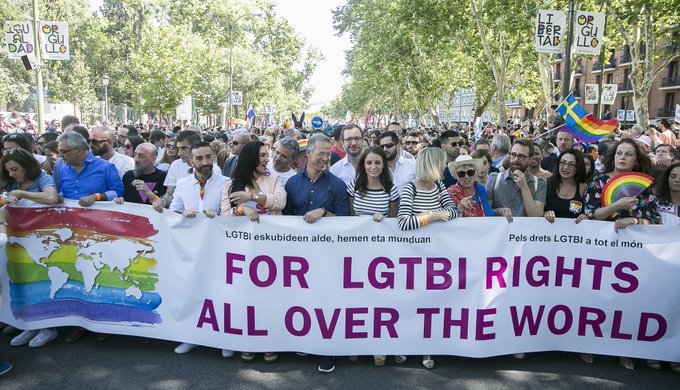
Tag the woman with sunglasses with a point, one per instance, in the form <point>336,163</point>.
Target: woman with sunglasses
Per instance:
<point>22,178</point>
<point>467,193</point>
<point>131,144</point>
<point>169,155</point>
<point>566,189</point>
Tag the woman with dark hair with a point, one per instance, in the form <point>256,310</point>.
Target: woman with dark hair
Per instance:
<point>22,178</point>
<point>131,144</point>
<point>487,164</point>
<point>51,150</point>
<point>252,191</point>
<point>589,161</point>
<point>373,192</point>
<point>564,197</point>
<point>625,156</point>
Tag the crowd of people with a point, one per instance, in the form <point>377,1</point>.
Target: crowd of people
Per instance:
<point>418,176</point>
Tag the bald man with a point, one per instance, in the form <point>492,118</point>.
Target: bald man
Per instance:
<point>236,145</point>
<point>144,183</point>
<point>101,145</point>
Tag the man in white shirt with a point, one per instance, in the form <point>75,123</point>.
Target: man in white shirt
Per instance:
<point>101,144</point>
<point>403,170</point>
<point>353,140</point>
<point>286,151</point>
<point>199,193</point>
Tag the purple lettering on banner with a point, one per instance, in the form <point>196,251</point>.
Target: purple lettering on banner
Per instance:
<point>662,327</point>
<point>462,273</point>
<point>227,321</point>
<point>619,272</point>
<point>563,270</point>
<point>306,321</point>
<point>526,320</point>
<point>543,274</point>
<point>289,272</point>
<point>250,310</point>
<point>495,273</point>
<point>616,327</point>
<point>462,323</point>
<point>271,271</point>
<point>232,268</point>
<point>387,277</point>
<point>443,273</point>
<point>351,322</point>
<point>597,271</point>
<point>388,323</point>
<point>410,263</point>
<point>568,319</point>
<point>208,315</point>
<point>595,323</point>
<point>516,270</point>
<point>347,275</point>
<point>427,320</point>
<point>327,329</point>
<point>483,324</point>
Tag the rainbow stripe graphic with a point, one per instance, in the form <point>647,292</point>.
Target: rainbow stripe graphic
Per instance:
<point>78,262</point>
<point>623,185</point>
<point>583,126</point>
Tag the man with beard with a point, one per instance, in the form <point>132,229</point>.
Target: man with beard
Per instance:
<point>413,142</point>
<point>402,170</point>
<point>353,141</point>
<point>516,192</point>
<point>451,142</point>
<point>144,184</point>
<point>564,142</point>
<point>285,153</point>
<point>101,144</point>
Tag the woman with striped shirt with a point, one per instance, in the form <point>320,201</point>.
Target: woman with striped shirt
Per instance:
<point>426,200</point>
<point>373,192</point>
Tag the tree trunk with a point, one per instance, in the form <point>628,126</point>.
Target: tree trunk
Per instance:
<point>546,75</point>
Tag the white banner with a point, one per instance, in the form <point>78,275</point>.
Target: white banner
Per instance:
<point>184,110</point>
<point>347,285</point>
<point>609,93</point>
<point>592,93</point>
<point>18,39</point>
<point>237,98</point>
<point>54,41</point>
<point>550,30</point>
<point>588,32</point>
<point>677,113</point>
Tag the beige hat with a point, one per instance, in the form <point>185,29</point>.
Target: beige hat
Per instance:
<point>463,160</point>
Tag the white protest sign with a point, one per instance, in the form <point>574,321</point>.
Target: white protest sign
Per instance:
<point>550,29</point>
<point>18,38</point>
<point>588,32</point>
<point>183,111</point>
<point>592,93</point>
<point>54,40</point>
<point>630,116</point>
<point>346,285</point>
<point>609,93</point>
<point>677,113</point>
<point>237,98</point>
<point>621,115</point>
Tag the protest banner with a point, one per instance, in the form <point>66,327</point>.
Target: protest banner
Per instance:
<point>588,32</point>
<point>346,285</point>
<point>54,40</point>
<point>592,93</point>
<point>550,29</point>
<point>609,93</point>
<point>18,39</point>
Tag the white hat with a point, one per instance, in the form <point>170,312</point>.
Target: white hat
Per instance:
<point>465,159</point>
<point>644,139</point>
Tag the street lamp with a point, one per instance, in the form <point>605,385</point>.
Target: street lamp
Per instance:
<point>231,60</point>
<point>105,83</point>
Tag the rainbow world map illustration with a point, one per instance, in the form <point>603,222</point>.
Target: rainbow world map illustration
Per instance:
<point>94,264</point>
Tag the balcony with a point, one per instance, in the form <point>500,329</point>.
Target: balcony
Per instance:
<point>670,82</point>
<point>627,86</point>
<point>557,77</point>
<point>576,94</point>
<point>665,112</point>
<point>597,66</point>
<point>625,59</point>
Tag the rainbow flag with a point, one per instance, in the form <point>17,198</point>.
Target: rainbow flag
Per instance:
<point>583,126</point>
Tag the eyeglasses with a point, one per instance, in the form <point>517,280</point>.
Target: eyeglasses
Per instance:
<point>128,146</point>
<point>61,151</point>
<point>469,172</point>
<point>353,139</point>
<point>234,143</point>
<point>410,142</point>
<point>459,143</point>
<point>387,146</point>
<point>171,146</point>
<point>98,142</point>
<point>519,156</point>
<point>565,164</point>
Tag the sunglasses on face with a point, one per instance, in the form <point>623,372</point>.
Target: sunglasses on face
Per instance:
<point>459,143</point>
<point>411,143</point>
<point>128,146</point>
<point>469,172</point>
<point>387,146</point>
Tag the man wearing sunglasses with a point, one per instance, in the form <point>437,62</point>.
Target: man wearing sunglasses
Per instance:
<point>236,144</point>
<point>451,141</point>
<point>101,145</point>
<point>403,170</point>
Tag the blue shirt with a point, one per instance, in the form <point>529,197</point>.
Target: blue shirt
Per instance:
<point>43,181</point>
<point>483,199</point>
<point>328,191</point>
<point>97,175</point>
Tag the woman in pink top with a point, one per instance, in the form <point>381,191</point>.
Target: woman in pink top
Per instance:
<point>253,189</point>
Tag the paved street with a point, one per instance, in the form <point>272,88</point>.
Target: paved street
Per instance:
<point>135,363</point>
